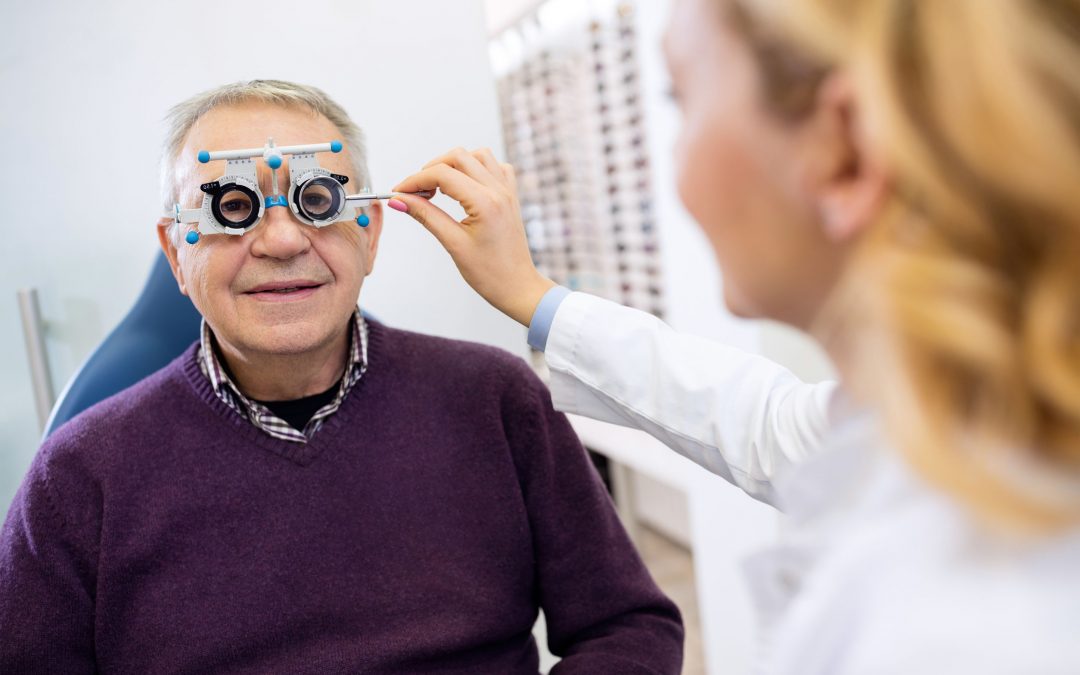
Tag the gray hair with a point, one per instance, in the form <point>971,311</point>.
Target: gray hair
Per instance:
<point>182,116</point>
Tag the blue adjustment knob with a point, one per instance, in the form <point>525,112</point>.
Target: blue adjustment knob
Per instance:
<point>335,146</point>
<point>274,162</point>
<point>204,156</point>
<point>192,237</point>
<point>362,220</point>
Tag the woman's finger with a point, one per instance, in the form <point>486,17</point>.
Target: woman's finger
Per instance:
<point>465,162</point>
<point>450,181</point>
<point>487,158</point>
<point>511,175</point>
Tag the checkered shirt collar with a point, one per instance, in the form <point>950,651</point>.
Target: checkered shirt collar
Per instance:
<point>261,416</point>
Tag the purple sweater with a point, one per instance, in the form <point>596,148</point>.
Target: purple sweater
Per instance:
<point>418,532</point>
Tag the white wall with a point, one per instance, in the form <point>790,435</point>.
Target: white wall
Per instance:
<point>504,13</point>
<point>85,87</point>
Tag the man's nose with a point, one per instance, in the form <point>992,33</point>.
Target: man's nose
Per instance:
<point>280,234</point>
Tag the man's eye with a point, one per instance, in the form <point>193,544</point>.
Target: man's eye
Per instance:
<point>315,200</point>
<point>235,207</point>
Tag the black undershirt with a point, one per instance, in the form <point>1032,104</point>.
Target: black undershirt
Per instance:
<point>298,412</point>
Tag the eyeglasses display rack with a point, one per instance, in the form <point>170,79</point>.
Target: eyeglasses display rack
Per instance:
<point>574,125</point>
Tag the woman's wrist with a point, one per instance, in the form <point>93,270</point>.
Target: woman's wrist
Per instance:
<point>524,305</point>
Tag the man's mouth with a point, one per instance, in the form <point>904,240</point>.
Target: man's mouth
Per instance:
<point>284,289</point>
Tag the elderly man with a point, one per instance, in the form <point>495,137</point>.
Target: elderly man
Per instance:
<point>304,490</point>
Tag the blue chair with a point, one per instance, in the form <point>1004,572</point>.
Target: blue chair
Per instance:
<point>161,325</point>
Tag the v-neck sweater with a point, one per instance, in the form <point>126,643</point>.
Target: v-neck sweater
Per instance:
<point>420,530</point>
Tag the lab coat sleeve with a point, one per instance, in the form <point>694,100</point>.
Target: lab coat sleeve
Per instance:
<point>737,414</point>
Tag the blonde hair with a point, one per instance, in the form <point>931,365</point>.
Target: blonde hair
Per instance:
<point>182,116</point>
<point>964,296</point>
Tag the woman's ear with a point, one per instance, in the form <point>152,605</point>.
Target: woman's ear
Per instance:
<point>171,253</point>
<point>851,182</point>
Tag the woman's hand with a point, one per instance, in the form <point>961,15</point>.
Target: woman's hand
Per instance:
<point>489,246</point>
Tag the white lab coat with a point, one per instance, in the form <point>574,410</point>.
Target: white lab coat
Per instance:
<point>877,572</point>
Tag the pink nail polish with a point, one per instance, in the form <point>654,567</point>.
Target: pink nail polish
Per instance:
<point>398,205</point>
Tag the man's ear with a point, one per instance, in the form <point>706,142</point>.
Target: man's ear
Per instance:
<point>851,183</point>
<point>170,251</point>
<point>374,232</point>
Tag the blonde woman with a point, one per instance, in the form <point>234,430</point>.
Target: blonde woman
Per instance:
<point>901,179</point>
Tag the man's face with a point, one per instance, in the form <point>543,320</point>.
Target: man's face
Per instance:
<point>285,287</point>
